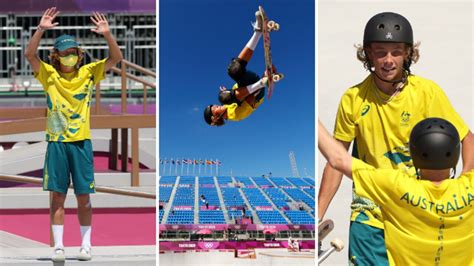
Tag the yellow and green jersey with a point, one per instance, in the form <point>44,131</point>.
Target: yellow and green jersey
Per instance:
<point>68,98</point>
<point>381,130</point>
<point>425,223</point>
<point>237,112</point>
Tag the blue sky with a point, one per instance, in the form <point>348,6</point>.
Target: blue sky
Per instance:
<point>197,41</point>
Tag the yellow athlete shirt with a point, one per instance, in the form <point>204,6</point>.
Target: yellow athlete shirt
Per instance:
<point>237,112</point>
<point>382,130</point>
<point>425,223</point>
<point>68,97</point>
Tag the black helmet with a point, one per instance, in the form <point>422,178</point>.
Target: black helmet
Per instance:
<point>434,144</point>
<point>388,27</point>
<point>208,114</point>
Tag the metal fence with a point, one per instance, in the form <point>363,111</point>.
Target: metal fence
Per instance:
<point>135,34</point>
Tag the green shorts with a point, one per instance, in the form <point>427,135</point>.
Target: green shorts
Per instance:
<point>367,245</point>
<point>69,160</point>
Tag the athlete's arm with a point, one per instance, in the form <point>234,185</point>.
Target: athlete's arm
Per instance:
<point>330,183</point>
<point>334,152</point>
<point>468,152</point>
<point>115,55</point>
<point>46,23</point>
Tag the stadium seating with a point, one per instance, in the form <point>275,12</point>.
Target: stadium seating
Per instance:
<point>278,198</point>
<point>299,217</point>
<point>232,197</point>
<point>277,204</point>
<point>211,217</point>
<point>255,197</point>
<point>180,217</point>
<point>271,217</point>
<point>281,182</point>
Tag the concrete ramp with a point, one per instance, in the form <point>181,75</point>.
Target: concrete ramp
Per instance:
<point>115,255</point>
<point>23,159</point>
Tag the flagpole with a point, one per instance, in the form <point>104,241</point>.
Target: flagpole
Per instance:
<point>194,166</point>
<point>176,167</point>
<point>163,167</point>
<point>187,167</point>
<point>182,166</point>
<point>169,170</point>
<point>200,162</point>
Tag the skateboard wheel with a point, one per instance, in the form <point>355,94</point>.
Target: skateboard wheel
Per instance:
<point>276,27</point>
<point>271,25</point>
<point>337,244</point>
<point>276,78</point>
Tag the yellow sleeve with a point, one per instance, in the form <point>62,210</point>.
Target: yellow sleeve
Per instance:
<point>232,112</point>
<point>97,69</point>
<point>345,123</point>
<point>440,106</point>
<point>44,73</point>
<point>379,185</point>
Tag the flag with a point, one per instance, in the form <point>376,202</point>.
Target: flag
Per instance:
<point>208,162</point>
<point>218,162</point>
<point>196,162</point>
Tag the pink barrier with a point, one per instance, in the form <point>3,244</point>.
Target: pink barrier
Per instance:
<point>205,245</point>
<point>250,227</point>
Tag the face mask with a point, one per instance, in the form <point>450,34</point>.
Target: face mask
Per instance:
<point>69,60</point>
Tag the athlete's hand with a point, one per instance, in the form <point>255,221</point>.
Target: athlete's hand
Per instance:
<point>222,88</point>
<point>49,15</point>
<point>100,21</point>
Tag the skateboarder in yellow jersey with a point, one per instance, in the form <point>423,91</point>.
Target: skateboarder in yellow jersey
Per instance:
<point>68,88</point>
<point>248,92</point>
<point>377,115</point>
<point>428,220</point>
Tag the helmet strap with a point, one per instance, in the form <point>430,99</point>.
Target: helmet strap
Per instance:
<point>394,83</point>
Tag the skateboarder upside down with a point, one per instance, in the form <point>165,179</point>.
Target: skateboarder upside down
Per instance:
<point>428,220</point>
<point>248,92</point>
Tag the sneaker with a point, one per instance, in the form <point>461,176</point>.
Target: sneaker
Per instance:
<point>257,25</point>
<point>59,255</point>
<point>84,254</point>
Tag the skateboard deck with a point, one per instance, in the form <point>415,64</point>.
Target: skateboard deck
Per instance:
<point>324,228</point>
<point>267,27</point>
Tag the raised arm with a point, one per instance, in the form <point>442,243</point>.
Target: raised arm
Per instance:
<point>468,152</point>
<point>334,152</point>
<point>331,180</point>
<point>102,28</point>
<point>31,50</point>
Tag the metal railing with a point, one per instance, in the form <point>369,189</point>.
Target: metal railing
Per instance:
<point>137,42</point>
<point>104,189</point>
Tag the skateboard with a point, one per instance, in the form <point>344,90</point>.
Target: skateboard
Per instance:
<point>267,27</point>
<point>324,228</point>
<point>336,245</point>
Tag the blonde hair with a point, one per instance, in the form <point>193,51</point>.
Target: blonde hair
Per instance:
<point>54,58</point>
<point>413,55</point>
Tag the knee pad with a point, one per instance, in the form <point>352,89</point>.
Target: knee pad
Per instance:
<point>236,68</point>
<point>227,97</point>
